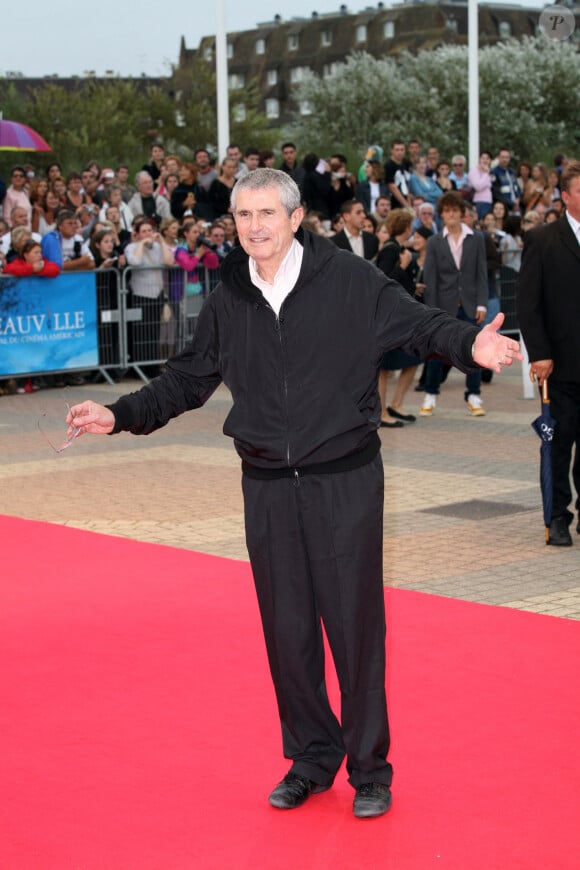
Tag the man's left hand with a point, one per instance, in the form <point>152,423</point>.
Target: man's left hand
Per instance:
<point>491,350</point>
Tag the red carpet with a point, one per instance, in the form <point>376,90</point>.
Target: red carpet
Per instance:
<point>135,703</point>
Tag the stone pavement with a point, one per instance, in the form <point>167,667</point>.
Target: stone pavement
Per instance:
<point>462,509</point>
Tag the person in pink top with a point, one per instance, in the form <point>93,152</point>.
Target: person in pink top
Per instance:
<point>16,195</point>
<point>480,180</point>
<point>193,253</point>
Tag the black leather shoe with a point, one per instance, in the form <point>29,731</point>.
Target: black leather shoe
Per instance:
<point>372,799</point>
<point>406,418</point>
<point>293,791</point>
<point>559,533</point>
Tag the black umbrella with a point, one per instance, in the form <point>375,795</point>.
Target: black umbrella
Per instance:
<point>544,426</point>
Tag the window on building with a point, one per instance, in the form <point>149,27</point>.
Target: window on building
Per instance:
<point>361,33</point>
<point>260,46</point>
<point>208,52</point>
<point>236,81</point>
<point>451,24</point>
<point>298,74</point>
<point>326,38</point>
<point>330,69</point>
<point>293,42</point>
<point>272,108</point>
<point>504,29</point>
<point>272,77</point>
<point>389,30</point>
<point>305,107</point>
<point>239,113</point>
<point>230,50</point>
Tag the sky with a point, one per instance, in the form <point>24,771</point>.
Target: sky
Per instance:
<point>131,37</point>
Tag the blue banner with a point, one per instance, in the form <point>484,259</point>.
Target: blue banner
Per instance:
<point>48,324</point>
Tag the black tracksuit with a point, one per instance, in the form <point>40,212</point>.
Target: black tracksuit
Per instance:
<point>304,421</point>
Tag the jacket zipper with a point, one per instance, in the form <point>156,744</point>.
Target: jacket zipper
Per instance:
<point>279,321</point>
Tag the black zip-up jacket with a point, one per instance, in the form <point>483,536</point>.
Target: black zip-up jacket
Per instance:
<point>304,383</point>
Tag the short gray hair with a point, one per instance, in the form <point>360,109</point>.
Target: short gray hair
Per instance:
<point>260,179</point>
<point>141,174</point>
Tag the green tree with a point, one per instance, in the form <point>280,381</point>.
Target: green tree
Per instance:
<point>529,100</point>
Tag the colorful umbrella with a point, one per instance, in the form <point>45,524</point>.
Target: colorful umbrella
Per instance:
<point>19,137</point>
<point>544,427</point>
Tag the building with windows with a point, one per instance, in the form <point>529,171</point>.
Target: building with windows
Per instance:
<point>278,54</point>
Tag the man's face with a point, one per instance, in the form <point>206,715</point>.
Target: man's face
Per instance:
<point>234,153</point>
<point>264,228</point>
<point>355,219</point>
<point>557,205</point>
<point>427,216</point>
<point>123,174</point>
<point>503,158</point>
<point>18,179</point>
<point>458,167</point>
<point>433,156</point>
<point>145,185</point>
<point>107,176</point>
<point>68,228</point>
<point>19,218</point>
<point>113,214</point>
<point>252,161</point>
<point>217,236</point>
<point>398,152</point>
<point>201,159</point>
<point>383,207</point>
<point>88,178</point>
<point>451,217</point>
<point>289,155</point>
<point>468,218</point>
<point>414,150</point>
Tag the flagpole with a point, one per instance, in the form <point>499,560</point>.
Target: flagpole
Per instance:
<point>221,51</point>
<point>473,82</point>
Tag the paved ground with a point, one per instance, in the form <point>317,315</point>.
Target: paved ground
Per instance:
<point>463,515</point>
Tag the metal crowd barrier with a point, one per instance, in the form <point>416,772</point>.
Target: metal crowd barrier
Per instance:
<point>139,332</point>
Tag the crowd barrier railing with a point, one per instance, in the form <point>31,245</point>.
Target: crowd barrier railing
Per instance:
<point>104,321</point>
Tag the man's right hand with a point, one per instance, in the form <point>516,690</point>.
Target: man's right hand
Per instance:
<point>542,369</point>
<point>92,418</point>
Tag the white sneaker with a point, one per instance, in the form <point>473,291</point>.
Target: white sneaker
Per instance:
<point>428,406</point>
<point>475,405</point>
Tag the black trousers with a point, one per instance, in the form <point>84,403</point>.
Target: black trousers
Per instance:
<point>315,547</point>
<point>565,408</point>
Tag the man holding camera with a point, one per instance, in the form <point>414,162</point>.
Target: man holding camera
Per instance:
<point>65,246</point>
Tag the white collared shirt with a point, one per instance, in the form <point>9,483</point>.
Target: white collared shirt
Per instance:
<point>356,243</point>
<point>457,245</point>
<point>284,280</point>
<point>575,225</point>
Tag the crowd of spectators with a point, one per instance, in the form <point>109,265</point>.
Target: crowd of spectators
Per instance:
<point>177,212</point>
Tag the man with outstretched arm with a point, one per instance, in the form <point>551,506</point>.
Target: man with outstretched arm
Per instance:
<point>296,329</point>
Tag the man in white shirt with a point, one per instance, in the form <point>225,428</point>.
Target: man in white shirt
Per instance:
<point>352,237</point>
<point>455,277</point>
<point>296,329</point>
<point>548,306</point>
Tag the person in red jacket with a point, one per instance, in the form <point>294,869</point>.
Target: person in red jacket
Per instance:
<point>30,262</point>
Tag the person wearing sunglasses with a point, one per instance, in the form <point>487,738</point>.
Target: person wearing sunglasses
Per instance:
<point>17,195</point>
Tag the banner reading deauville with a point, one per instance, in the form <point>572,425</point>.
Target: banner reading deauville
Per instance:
<point>48,324</point>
